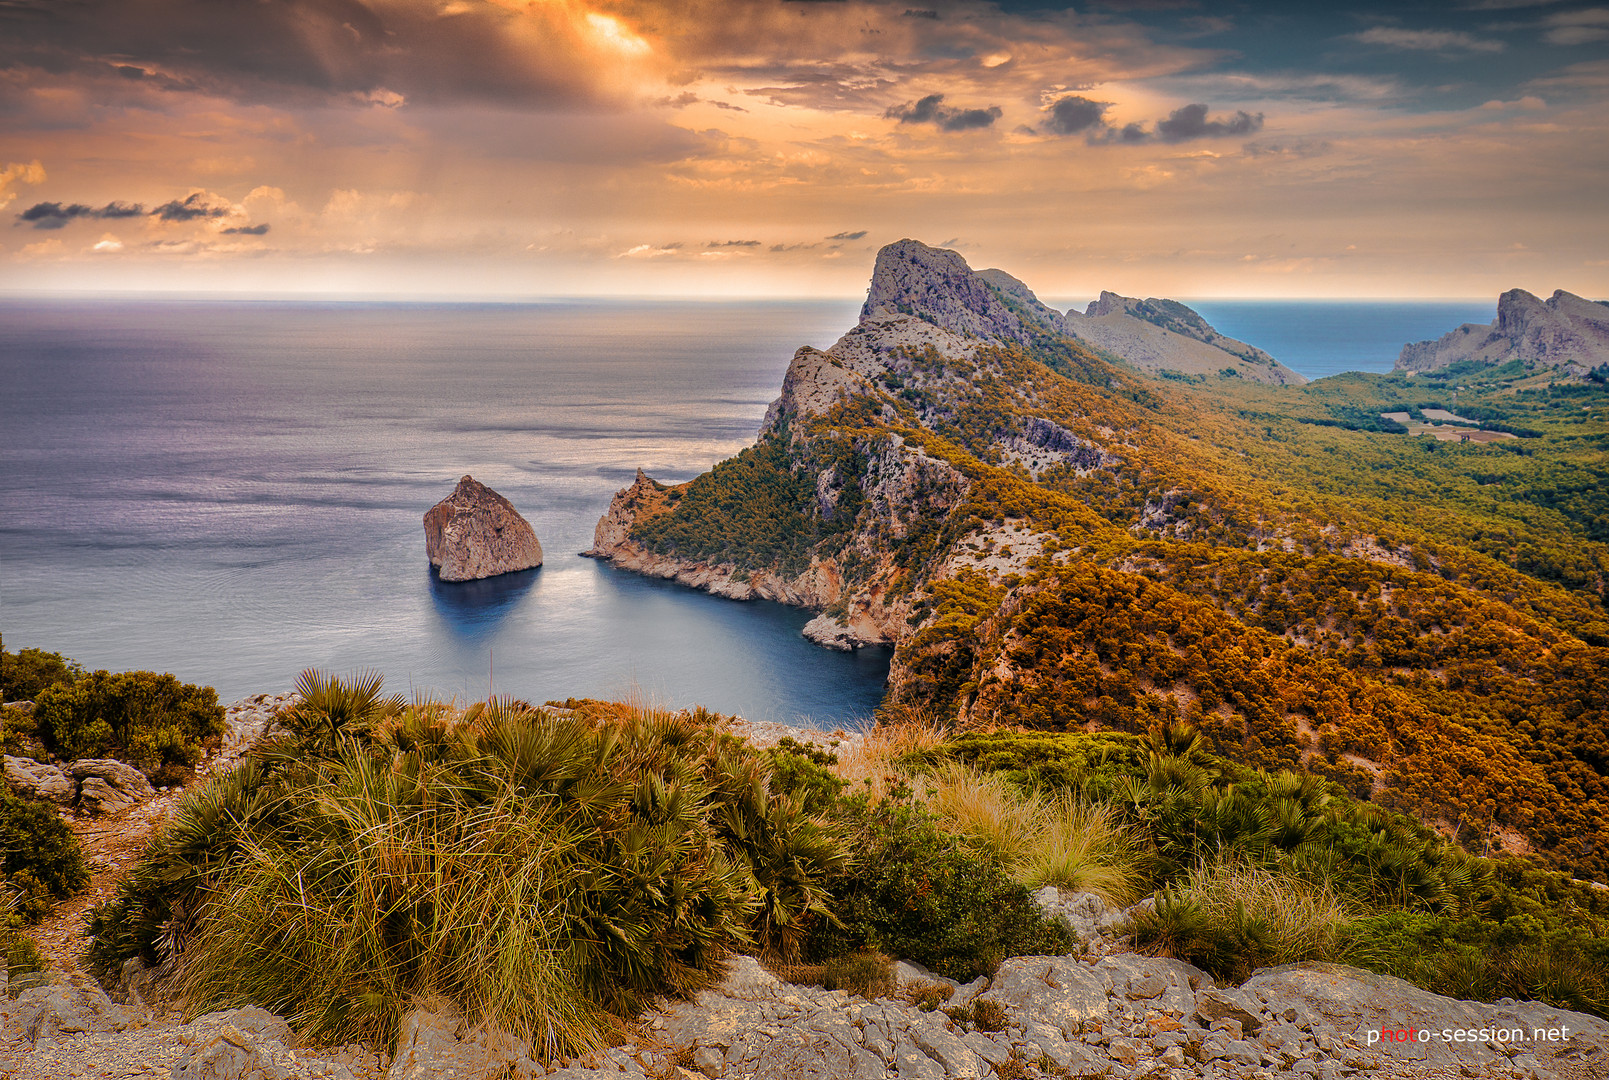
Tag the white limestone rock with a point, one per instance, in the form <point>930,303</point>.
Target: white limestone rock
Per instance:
<point>32,780</point>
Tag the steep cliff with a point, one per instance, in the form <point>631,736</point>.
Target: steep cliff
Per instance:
<point>1048,538</point>
<point>1564,332</point>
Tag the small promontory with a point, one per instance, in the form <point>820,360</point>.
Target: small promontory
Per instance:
<point>476,533</point>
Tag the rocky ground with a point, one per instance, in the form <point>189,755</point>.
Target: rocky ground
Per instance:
<point>1103,1012</point>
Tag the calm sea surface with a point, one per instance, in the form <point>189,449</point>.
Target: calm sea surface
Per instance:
<point>233,491</point>
<point>1327,337</point>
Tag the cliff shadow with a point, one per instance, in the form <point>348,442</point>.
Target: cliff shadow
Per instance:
<point>473,610</point>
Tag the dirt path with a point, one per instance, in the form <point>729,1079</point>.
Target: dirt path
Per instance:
<point>113,843</point>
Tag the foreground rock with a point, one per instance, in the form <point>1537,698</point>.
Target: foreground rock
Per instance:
<point>94,786</point>
<point>1563,332</point>
<point>476,533</point>
<point>1108,1014</point>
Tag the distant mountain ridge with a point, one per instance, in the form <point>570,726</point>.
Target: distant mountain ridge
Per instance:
<point>1565,332</point>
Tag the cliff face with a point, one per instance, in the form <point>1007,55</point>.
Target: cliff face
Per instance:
<point>1564,332</point>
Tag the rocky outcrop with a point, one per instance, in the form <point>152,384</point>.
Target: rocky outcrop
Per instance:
<point>435,1044</point>
<point>34,780</point>
<point>93,785</point>
<point>106,786</point>
<point>814,383</point>
<point>1166,336</point>
<point>1564,332</point>
<point>476,533</point>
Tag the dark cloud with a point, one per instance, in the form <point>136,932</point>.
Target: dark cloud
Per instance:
<point>192,208</point>
<point>733,243</point>
<point>248,230</point>
<point>687,97</point>
<point>1190,122</point>
<point>921,13</point>
<point>1073,114</point>
<point>1182,124</point>
<point>54,215</point>
<point>848,235</point>
<point>932,110</point>
<point>314,51</point>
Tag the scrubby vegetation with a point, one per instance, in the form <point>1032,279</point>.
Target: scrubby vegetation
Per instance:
<point>41,864</point>
<point>550,868</point>
<point>39,857</point>
<point>1255,869</point>
<point>152,721</point>
<point>26,672</point>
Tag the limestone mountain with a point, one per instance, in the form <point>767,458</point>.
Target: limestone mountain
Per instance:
<point>1048,538</point>
<point>1564,332</point>
<point>1165,335</point>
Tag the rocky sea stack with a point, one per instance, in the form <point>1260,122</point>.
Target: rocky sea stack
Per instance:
<point>476,533</point>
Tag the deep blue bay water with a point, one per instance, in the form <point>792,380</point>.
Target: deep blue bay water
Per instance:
<point>233,491</point>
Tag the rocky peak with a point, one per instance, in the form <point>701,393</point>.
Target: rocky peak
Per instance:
<point>1110,303</point>
<point>815,382</point>
<point>1565,331</point>
<point>614,528</point>
<point>476,533</point>
<point>937,285</point>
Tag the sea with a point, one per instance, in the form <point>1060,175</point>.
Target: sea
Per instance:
<point>233,491</point>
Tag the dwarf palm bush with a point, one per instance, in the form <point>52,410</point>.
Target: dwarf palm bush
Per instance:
<point>547,870</point>
<point>1232,916</point>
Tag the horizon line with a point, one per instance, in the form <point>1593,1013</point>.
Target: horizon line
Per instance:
<point>410,297</point>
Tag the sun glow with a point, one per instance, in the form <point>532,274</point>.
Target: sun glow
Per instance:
<point>609,31</point>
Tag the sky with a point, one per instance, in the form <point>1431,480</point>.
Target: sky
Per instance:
<point>527,148</point>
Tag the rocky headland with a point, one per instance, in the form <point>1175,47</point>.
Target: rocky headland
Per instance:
<point>1564,332</point>
<point>476,533</point>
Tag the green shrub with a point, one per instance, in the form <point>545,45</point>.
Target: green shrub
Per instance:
<point>866,974</point>
<point>913,891</point>
<point>147,719</point>
<point>39,856</point>
<point>26,672</point>
<point>1482,959</point>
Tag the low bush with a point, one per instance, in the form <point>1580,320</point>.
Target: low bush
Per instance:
<point>913,890</point>
<point>866,974</point>
<point>18,952</point>
<point>147,719</point>
<point>1482,959</point>
<point>39,856</point>
<point>27,672</point>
